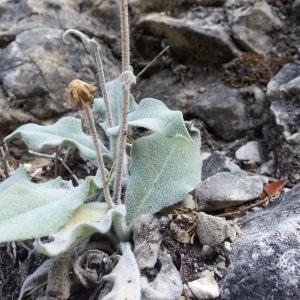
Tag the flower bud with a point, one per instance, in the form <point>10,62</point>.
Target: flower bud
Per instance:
<point>81,93</point>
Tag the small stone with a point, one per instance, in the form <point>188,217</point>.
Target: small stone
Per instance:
<point>166,284</point>
<point>189,202</point>
<point>221,266</point>
<point>221,258</point>
<point>227,248</point>
<point>218,162</point>
<point>147,239</point>
<point>287,73</point>
<point>213,231</point>
<point>226,189</point>
<point>252,25</point>
<point>252,152</point>
<point>296,8</point>
<point>205,287</point>
<point>208,251</point>
<point>268,167</point>
<point>294,139</point>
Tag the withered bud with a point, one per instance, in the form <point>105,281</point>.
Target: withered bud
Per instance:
<point>80,93</point>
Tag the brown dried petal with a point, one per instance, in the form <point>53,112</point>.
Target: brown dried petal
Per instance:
<point>81,92</point>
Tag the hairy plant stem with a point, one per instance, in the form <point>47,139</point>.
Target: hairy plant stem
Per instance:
<point>100,77</point>
<point>93,130</point>
<point>101,82</point>
<point>126,93</point>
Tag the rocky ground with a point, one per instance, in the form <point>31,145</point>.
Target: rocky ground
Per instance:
<point>233,69</point>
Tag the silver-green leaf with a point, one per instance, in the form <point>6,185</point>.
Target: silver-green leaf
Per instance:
<point>154,115</point>
<point>29,210</point>
<point>115,96</point>
<point>162,171</point>
<point>86,220</point>
<point>66,131</point>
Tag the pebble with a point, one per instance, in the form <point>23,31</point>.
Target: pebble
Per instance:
<point>213,231</point>
<point>205,287</point>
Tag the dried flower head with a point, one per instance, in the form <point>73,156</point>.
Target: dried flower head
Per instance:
<point>81,92</point>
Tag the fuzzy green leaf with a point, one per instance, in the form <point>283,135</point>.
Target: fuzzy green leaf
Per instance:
<point>115,96</point>
<point>154,115</point>
<point>86,220</point>
<point>163,170</point>
<point>66,131</point>
<point>29,210</point>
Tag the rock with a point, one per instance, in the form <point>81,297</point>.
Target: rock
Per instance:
<point>268,167</point>
<point>180,234</point>
<point>252,25</point>
<point>166,283</point>
<point>227,189</point>
<point>227,111</point>
<point>283,128</point>
<point>292,87</point>
<point>198,38</point>
<point>147,239</point>
<point>167,5</point>
<point>227,248</point>
<point>205,287</point>
<point>38,65</point>
<point>213,231</point>
<point>208,251</point>
<point>265,262</point>
<point>296,8</point>
<point>252,152</point>
<point>218,162</point>
<point>189,202</point>
<point>287,73</point>
<point>294,139</point>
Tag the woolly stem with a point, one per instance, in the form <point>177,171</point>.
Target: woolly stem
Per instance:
<point>93,130</point>
<point>101,82</point>
<point>126,93</point>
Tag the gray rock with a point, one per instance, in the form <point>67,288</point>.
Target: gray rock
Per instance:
<point>296,8</point>
<point>286,74</point>
<point>284,126</point>
<point>166,285</point>
<point>203,39</point>
<point>228,189</point>
<point>252,25</point>
<point>218,162</point>
<point>292,87</point>
<point>147,240</point>
<point>36,65</point>
<point>268,167</point>
<point>294,139</point>
<point>189,202</point>
<point>252,152</point>
<point>265,262</point>
<point>206,287</point>
<point>227,111</point>
<point>213,231</point>
<point>208,251</point>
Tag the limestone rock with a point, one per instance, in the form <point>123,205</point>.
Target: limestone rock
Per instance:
<point>205,287</point>
<point>166,283</point>
<point>265,262</point>
<point>147,239</point>
<point>213,231</point>
<point>36,65</point>
<point>252,152</point>
<point>226,189</point>
<point>218,162</point>
<point>204,40</point>
<point>252,25</point>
